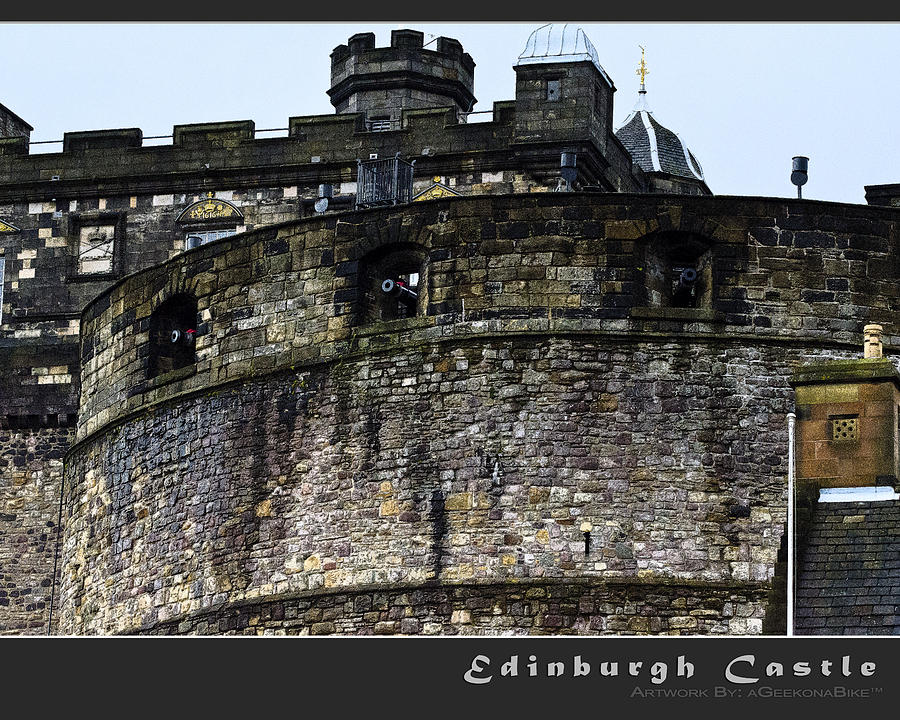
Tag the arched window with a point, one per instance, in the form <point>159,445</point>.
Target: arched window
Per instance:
<point>392,283</point>
<point>173,330</point>
<point>677,271</point>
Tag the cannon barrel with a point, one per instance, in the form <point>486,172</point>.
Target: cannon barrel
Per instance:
<point>687,279</point>
<point>683,296</point>
<point>184,337</point>
<point>399,290</point>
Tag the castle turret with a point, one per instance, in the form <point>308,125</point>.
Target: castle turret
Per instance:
<point>562,91</point>
<point>564,101</point>
<point>382,82</point>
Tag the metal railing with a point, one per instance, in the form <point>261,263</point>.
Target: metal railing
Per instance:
<point>383,182</point>
<point>158,137</point>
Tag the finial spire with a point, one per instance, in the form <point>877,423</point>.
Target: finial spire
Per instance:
<point>642,70</point>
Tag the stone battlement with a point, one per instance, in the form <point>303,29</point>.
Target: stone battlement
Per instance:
<point>311,139</point>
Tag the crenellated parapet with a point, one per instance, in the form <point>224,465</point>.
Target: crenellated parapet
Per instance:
<point>380,83</point>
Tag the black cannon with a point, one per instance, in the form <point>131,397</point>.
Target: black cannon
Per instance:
<point>684,288</point>
<point>182,337</point>
<point>400,290</point>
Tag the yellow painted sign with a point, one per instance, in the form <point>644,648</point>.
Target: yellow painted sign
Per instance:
<point>7,228</point>
<point>209,209</point>
<point>437,190</point>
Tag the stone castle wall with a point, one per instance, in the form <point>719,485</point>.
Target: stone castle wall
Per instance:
<point>310,463</point>
<point>38,402</point>
<point>106,179</point>
<point>31,466</point>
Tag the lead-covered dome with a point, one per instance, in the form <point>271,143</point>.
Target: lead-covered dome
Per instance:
<point>553,43</point>
<point>655,148</point>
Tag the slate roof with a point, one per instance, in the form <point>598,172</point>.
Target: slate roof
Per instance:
<point>848,582</point>
<point>654,147</point>
<point>7,111</point>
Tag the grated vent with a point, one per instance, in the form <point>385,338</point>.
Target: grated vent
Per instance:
<point>845,429</point>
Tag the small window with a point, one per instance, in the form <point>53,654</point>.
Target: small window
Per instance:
<point>173,331</point>
<point>553,90</point>
<point>96,248</point>
<point>598,100</point>
<point>196,238</point>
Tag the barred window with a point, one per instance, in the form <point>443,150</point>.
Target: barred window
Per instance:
<point>196,238</point>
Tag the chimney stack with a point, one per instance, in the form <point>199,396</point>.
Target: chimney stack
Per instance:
<point>872,346</point>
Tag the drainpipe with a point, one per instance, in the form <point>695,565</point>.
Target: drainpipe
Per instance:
<point>791,419</point>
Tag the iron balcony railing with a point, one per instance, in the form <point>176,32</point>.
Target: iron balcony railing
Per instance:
<point>383,182</point>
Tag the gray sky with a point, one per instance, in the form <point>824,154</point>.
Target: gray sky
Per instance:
<point>745,97</point>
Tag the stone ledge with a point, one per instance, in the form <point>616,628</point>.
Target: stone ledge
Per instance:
<point>534,587</point>
<point>843,371</point>
<point>677,313</point>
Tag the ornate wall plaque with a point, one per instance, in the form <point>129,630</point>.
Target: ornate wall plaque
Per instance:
<point>209,208</point>
<point>437,190</point>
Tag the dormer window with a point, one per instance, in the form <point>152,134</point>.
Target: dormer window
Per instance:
<point>196,238</point>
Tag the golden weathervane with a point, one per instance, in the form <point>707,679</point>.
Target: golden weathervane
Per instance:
<point>642,68</point>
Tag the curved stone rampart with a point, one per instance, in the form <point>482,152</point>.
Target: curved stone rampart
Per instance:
<point>435,472</point>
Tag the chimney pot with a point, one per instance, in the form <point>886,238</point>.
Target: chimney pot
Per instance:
<point>872,347</point>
